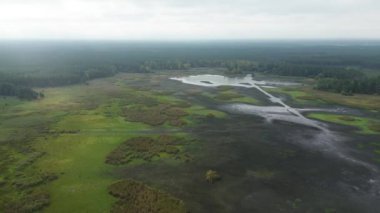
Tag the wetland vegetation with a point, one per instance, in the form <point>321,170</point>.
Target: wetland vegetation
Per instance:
<point>126,128</point>
<point>148,149</point>
<point>136,197</point>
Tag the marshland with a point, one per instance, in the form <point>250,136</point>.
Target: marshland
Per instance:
<point>189,127</point>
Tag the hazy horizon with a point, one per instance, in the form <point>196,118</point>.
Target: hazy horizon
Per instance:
<point>170,20</point>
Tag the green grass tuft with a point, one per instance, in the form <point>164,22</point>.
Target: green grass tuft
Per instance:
<point>364,125</point>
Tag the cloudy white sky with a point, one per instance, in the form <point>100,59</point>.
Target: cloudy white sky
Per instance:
<point>189,19</point>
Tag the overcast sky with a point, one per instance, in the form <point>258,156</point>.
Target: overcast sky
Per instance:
<point>189,19</point>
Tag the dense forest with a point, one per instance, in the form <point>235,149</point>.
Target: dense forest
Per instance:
<point>350,86</point>
<point>330,78</point>
<point>337,66</point>
<point>8,89</point>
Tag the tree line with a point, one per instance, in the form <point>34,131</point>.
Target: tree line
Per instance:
<point>329,78</point>
<point>8,89</point>
<point>363,85</point>
<point>335,68</point>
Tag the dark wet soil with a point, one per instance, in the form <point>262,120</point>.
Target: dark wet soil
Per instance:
<point>265,167</point>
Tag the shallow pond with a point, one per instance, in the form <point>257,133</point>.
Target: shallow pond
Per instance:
<point>281,111</point>
<point>219,80</point>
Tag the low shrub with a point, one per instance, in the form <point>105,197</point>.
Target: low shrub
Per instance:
<point>31,181</point>
<point>136,197</point>
<point>212,176</point>
<point>155,115</point>
<point>33,202</point>
<point>374,126</point>
<point>347,118</point>
<point>146,148</point>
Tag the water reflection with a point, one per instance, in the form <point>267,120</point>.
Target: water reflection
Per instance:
<point>281,112</point>
<point>324,140</point>
<point>321,138</point>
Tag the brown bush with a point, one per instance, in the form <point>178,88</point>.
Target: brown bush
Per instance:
<point>136,197</point>
<point>145,148</point>
<point>33,202</point>
<point>30,181</point>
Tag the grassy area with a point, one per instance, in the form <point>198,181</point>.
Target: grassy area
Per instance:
<point>364,125</point>
<point>6,102</point>
<point>155,115</point>
<point>197,111</point>
<point>299,95</point>
<point>68,135</point>
<point>229,95</point>
<point>369,102</point>
<point>246,100</point>
<point>75,133</point>
<point>307,95</point>
<point>79,158</point>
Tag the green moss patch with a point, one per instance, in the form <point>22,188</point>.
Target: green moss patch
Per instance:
<point>136,197</point>
<point>365,125</point>
<point>297,94</point>
<point>307,95</point>
<point>234,96</point>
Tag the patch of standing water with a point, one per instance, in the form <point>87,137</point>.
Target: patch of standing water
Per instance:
<point>271,113</point>
<point>324,140</point>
